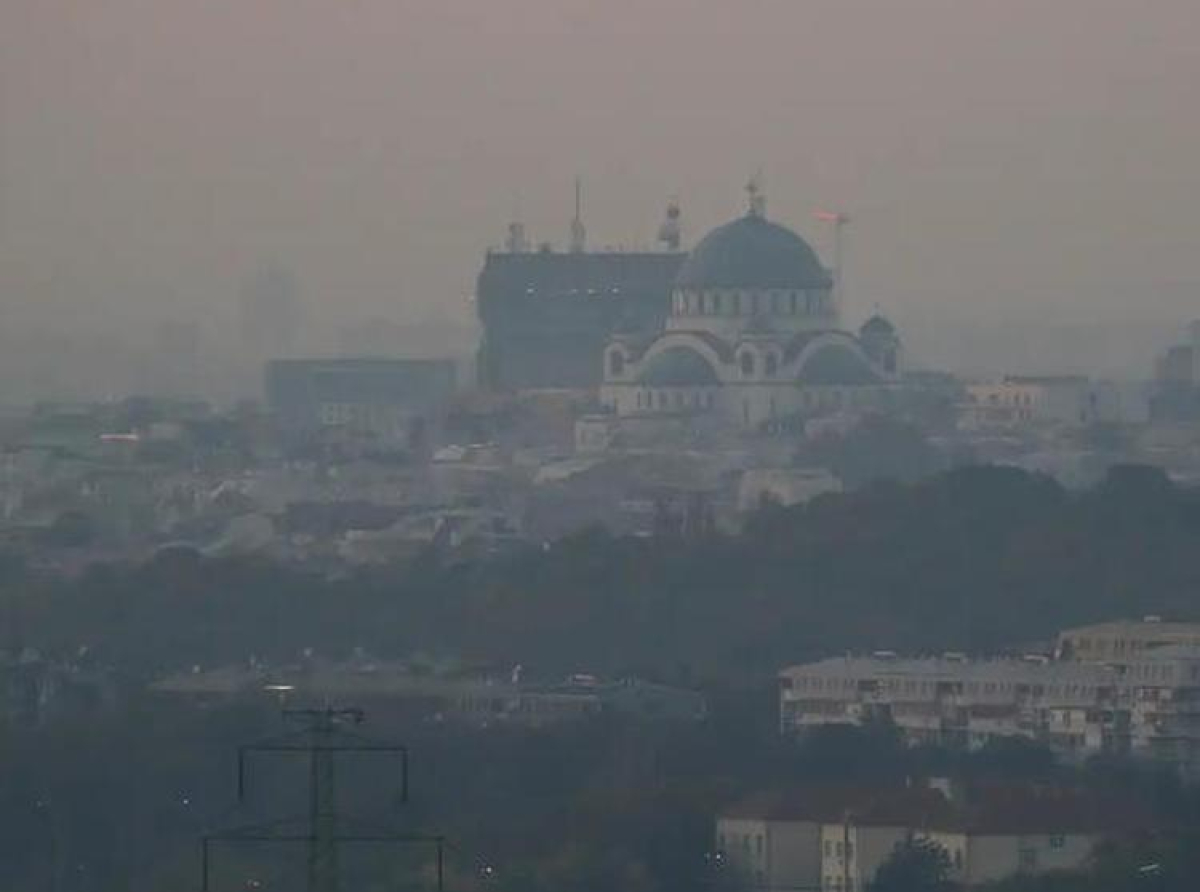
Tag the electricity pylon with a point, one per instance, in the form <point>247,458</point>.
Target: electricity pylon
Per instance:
<point>322,735</point>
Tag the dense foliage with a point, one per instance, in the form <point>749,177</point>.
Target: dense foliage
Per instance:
<point>975,559</point>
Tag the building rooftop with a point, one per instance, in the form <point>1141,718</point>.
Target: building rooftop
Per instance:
<point>979,808</point>
<point>1008,670</point>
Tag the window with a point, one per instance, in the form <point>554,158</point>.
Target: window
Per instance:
<point>772,365</point>
<point>747,360</point>
<point>828,849</point>
<point>758,845</point>
<point>1058,842</point>
<point>718,304</point>
<point>616,363</point>
<point>1027,859</point>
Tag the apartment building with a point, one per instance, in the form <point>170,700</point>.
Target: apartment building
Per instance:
<point>956,702</point>
<point>1120,641</point>
<point>1147,706</point>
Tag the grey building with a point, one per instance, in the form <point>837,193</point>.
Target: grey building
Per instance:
<point>547,316</point>
<point>381,397</point>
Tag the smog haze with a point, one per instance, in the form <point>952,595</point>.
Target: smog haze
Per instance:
<point>1010,167</point>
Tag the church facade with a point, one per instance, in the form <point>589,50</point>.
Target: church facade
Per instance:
<point>753,336</point>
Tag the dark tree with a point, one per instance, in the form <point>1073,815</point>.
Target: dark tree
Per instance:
<point>917,865</point>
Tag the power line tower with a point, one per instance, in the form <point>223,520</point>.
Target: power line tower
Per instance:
<point>322,735</point>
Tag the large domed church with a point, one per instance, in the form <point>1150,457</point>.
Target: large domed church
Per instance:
<point>753,336</point>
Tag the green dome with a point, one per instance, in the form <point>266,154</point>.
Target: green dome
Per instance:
<point>877,326</point>
<point>755,253</point>
<point>836,365</point>
<point>678,367</point>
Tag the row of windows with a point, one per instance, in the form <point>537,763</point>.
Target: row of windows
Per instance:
<point>749,365</point>
<point>717,303</point>
<point>1001,399</point>
<point>743,843</point>
<point>910,686</point>
<point>835,884</point>
<point>839,849</point>
<point>646,399</point>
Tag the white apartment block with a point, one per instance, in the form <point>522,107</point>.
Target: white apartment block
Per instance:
<point>1147,707</point>
<point>1120,641</point>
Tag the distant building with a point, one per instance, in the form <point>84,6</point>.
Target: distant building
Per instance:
<point>1146,707</point>
<point>784,486</point>
<point>272,313</point>
<point>1177,380</point>
<point>836,839</point>
<point>1120,641</point>
<point>753,336</point>
<point>1066,400</point>
<point>474,699</point>
<point>547,315</point>
<point>376,397</point>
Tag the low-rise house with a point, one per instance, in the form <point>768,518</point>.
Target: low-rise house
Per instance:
<point>836,839</point>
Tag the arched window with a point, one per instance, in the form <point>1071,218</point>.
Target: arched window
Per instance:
<point>772,365</point>
<point>616,363</point>
<point>747,360</point>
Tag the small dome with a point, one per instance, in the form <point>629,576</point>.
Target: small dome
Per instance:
<point>752,252</point>
<point>877,326</point>
<point>834,365</point>
<point>678,367</point>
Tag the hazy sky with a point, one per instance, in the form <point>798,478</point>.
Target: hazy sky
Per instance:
<point>1001,158</point>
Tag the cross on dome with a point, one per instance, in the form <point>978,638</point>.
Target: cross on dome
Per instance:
<point>757,198</point>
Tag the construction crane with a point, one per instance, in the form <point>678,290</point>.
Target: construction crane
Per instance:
<point>838,221</point>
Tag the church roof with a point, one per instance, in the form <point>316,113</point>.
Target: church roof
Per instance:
<point>678,367</point>
<point>752,252</point>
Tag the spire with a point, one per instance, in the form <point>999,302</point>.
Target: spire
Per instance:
<point>578,232</point>
<point>670,234</point>
<point>756,197</point>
